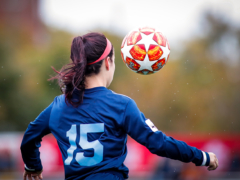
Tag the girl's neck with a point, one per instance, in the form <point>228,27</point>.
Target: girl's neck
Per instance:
<point>94,81</point>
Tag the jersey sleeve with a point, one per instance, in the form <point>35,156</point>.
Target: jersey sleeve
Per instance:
<point>32,140</point>
<point>144,132</point>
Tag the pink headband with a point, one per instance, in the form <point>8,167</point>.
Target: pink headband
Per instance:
<point>105,53</point>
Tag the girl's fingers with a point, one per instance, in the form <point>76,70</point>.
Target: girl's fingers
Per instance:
<point>29,176</point>
<point>24,176</point>
<point>35,177</point>
<point>213,167</point>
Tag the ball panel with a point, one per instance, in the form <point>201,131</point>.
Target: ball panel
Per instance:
<point>147,30</point>
<point>168,44</point>
<point>123,42</point>
<point>138,52</point>
<point>133,38</point>
<point>122,57</point>
<point>132,64</point>
<point>159,38</point>
<point>154,52</point>
<point>145,72</point>
<point>158,65</point>
<point>168,58</point>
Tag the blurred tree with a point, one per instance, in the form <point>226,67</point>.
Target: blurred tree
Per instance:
<point>197,92</point>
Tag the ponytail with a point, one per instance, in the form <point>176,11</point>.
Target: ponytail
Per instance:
<point>84,50</point>
<point>71,76</point>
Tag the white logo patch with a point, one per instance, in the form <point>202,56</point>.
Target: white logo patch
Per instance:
<point>151,125</point>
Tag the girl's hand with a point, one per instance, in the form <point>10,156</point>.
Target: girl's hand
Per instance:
<point>213,162</point>
<point>32,175</point>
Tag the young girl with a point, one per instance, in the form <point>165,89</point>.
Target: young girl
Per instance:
<point>91,123</point>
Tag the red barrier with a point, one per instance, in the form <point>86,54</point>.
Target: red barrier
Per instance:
<point>139,160</point>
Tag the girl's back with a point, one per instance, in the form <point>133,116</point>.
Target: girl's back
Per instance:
<point>91,137</point>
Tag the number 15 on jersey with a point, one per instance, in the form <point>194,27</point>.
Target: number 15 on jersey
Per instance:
<point>85,144</point>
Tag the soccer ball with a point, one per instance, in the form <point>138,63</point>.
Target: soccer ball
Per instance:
<point>145,50</point>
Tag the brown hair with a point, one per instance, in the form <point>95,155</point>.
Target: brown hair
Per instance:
<point>84,49</point>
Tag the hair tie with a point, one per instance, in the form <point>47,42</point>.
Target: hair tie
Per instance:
<point>105,53</point>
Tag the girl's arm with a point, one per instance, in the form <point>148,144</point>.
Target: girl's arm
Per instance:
<point>144,132</point>
<point>32,140</point>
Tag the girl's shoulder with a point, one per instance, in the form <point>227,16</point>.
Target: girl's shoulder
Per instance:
<point>120,96</point>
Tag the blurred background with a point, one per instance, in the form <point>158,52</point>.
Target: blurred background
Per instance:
<point>194,98</point>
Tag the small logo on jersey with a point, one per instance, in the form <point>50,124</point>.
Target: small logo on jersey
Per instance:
<point>151,125</point>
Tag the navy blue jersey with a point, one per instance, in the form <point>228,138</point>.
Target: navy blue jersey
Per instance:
<point>92,137</point>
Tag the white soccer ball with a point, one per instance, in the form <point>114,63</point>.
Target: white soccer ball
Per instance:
<point>145,50</point>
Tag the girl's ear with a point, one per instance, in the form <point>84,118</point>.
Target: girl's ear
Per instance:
<point>107,62</point>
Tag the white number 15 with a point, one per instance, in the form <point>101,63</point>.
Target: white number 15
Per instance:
<point>85,144</point>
